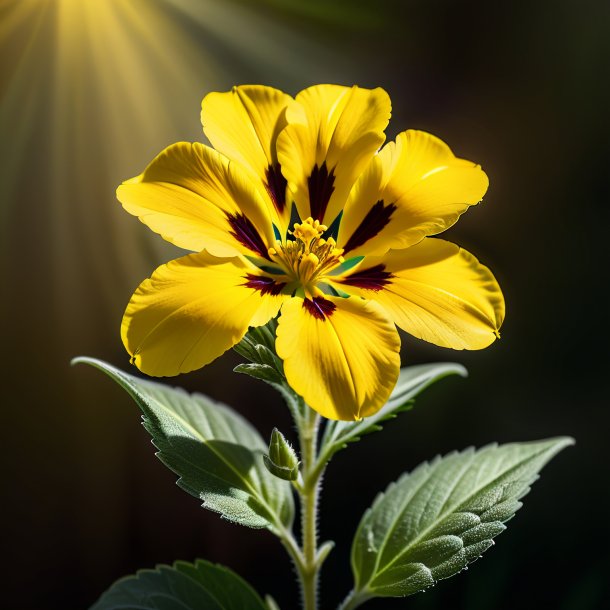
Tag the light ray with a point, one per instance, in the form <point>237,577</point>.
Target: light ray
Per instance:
<point>91,91</point>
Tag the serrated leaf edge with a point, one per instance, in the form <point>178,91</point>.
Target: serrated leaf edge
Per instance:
<point>175,567</point>
<point>551,451</point>
<point>275,524</point>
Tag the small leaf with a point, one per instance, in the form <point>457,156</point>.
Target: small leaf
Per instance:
<point>186,586</point>
<point>412,381</point>
<point>271,603</point>
<point>324,552</point>
<point>264,335</point>
<point>260,371</point>
<point>433,522</point>
<point>214,450</point>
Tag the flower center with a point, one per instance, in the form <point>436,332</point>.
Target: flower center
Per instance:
<point>308,256</point>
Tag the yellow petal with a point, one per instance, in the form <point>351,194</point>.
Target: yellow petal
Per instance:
<point>331,135</point>
<point>413,188</point>
<point>435,291</point>
<point>243,124</point>
<point>192,310</point>
<point>341,355</point>
<point>194,198</point>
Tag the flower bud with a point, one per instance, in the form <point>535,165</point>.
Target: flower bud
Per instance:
<point>282,460</point>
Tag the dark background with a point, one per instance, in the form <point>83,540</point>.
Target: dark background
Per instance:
<point>91,91</point>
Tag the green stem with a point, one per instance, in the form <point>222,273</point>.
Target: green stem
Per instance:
<point>292,548</point>
<point>353,600</point>
<point>309,509</point>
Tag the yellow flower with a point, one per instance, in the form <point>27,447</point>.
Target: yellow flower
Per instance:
<point>357,262</point>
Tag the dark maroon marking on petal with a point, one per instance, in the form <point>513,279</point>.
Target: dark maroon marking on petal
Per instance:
<point>245,233</point>
<point>373,278</point>
<point>321,186</point>
<point>264,284</point>
<point>375,220</point>
<point>319,307</point>
<point>276,186</point>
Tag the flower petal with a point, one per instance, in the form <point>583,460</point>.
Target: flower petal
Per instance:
<point>413,188</point>
<point>331,135</point>
<point>435,291</point>
<point>341,355</point>
<point>244,124</point>
<point>192,310</point>
<point>195,198</point>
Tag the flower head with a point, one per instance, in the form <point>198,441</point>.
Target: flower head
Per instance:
<point>296,211</point>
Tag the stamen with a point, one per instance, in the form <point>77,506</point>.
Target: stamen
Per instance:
<point>308,230</point>
<point>308,267</point>
<point>308,256</point>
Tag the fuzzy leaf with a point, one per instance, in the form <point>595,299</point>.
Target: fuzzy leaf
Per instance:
<point>434,521</point>
<point>264,372</point>
<point>412,381</point>
<point>216,453</point>
<point>183,586</point>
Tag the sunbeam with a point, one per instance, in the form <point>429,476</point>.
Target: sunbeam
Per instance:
<point>90,90</point>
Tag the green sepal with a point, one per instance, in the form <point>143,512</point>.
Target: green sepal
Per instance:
<point>264,372</point>
<point>183,585</point>
<point>261,335</point>
<point>258,346</point>
<point>433,522</point>
<point>216,453</point>
<point>282,460</point>
<point>286,474</point>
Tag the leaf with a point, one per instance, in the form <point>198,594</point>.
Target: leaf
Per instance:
<point>264,372</point>
<point>431,523</point>
<point>412,381</point>
<point>216,453</point>
<point>183,586</point>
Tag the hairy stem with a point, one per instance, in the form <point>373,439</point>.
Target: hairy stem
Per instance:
<point>309,509</point>
<point>292,548</point>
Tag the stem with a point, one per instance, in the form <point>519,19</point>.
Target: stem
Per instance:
<point>353,600</point>
<point>307,560</point>
<point>309,509</point>
<point>292,548</point>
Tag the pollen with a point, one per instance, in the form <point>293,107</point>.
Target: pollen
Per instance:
<point>307,257</point>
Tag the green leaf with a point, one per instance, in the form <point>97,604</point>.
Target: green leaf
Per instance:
<point>271,603</point>
<point>431,523</point>
<point>182,587</point>
<point>214,450</point>
<point>263,372</point>
<point>411,381</point>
